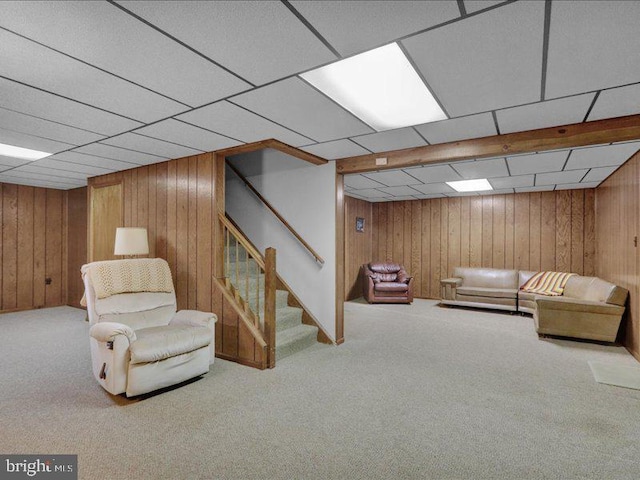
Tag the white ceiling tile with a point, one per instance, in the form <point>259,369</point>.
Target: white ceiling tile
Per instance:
<point>38,183</point>
<point>392,178</point>
<point>573,186</point>
<point>139,143</point>
<point>430,196</point>
<point>270,42</point>
<point>354,195</point>
<point>372,193</point>
<point>17,173</point>
<point>599,174</point>
<point>187,135</point>
<point>537,163</point>
<point>434,188</point>
<point>512,182</point>
<point>496,167</point>
<point>18,139</point>
<point>435,174</point>
<point>50,172</point>
<point>472,126</point>
<point>617,102</point>
<point>336,149</point>
<point>358,181</point>
<point>32,101</point>
<point>399,191</point>
<point>290,103</point>
<point>51,162</point>
<point>539,188</point>
<point>401,198</point>
<point>391,140</point>
<point>591,46</point>
<point>563,111</point>
<point>488,61</point>
<point>116,153</point>
<point>498,191</point>
<point>64,76</point>
<point>607,155</point>
<point>7,162</point>
<point>355,26</point>
<point>30,125</point>
<point>558,178</point>
<point>85,30</point>
<point>380,200</point>
<point>83,159</point>
<point>473,6</point>
<point>236,122</point>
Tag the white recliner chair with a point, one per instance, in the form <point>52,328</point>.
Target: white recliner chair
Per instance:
<point>138,342</point>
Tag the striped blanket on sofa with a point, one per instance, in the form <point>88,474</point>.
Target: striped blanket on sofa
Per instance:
<point>547,283</point>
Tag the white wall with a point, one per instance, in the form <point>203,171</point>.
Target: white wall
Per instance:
<point>304,194</point>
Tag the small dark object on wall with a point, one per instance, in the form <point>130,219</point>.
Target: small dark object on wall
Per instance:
<point>359,224</point>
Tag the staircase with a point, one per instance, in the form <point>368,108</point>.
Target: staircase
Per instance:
<point>246,280</point>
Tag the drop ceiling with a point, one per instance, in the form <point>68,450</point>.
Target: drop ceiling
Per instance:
<point>108,86</point>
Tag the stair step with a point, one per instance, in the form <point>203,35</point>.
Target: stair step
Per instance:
<point>293,340</point>
<point>288,317</point>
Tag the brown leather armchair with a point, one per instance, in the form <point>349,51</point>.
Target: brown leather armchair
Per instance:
<point>386,283</point>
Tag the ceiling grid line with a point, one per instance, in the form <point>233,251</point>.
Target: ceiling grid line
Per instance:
<point>94,66</point>
<point>545,48</point>
<point>178,41</point>
<point>311,28</point>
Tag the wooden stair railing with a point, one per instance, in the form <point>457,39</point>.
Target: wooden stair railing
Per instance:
<point>308,247</point>
<point>241,292</point>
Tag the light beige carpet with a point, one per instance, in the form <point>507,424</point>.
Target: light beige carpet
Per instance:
<point>626,376</point>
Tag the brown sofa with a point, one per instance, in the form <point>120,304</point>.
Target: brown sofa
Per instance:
<point>590,307</point>
<point>386,283</point>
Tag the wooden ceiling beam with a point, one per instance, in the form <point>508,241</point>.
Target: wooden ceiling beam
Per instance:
<point>578,134</point>
<point>276,145</point>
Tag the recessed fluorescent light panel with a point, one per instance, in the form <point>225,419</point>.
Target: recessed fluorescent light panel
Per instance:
<point>477,185</point>
<point>380,87</point>
<point>19,152</point>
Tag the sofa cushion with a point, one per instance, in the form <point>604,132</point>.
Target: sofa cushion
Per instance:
<point>391,287</point>
<point>487,277</point>
<point>157,343</point>
<point>385,267</point>
<point>488,292</point>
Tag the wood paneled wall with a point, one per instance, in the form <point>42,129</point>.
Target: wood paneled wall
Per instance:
<point>76,243</point>
<point>178,203</point>
<point>617,211</point>
<point>32,247</point>
<point>526,231</point>
<point>358,246</point>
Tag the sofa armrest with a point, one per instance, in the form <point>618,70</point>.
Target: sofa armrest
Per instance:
<point>106,331</point>
<point>449,286</point>
<point>194,318</point>
<point>569,304</point>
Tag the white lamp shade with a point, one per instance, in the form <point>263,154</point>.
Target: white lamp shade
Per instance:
<point>131,241</point>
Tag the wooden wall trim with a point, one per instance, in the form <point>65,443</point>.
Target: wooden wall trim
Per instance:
<point>274,144</point>
<point>340,259</point>
<point>567,136</point>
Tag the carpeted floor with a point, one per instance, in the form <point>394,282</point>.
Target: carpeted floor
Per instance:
<point>416,391</point>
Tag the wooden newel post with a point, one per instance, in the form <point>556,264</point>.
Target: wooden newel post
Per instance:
<point>270,285</point>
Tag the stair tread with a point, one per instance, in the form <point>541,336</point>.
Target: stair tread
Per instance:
<point>293,334</point>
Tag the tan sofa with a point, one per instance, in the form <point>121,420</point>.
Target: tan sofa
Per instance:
<point>481,287</point>
<point>590,308</point>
